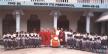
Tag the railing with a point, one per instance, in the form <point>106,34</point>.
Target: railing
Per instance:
<point>92,1</point>
<point>58,3</point>
<point>61,1</point>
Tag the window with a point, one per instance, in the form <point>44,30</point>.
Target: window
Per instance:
<point>102,1</point>
<point>61,0</point>
<point>58,0</point>
<point>83,1</point>
<point>86,1</point>
<point>80,1</point>
<point>37,0</point>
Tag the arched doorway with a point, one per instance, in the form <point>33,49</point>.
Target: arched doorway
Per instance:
<point>81,24</point>
<point>63,22</point>
<point>33,24</point>
<point>106,27</point>
<point>9,24</point>
<point>97,25</point>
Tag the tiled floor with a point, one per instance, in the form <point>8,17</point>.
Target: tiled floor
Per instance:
<point>44,50</point>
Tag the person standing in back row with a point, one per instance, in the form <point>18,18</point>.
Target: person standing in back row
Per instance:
<point>62,37</point>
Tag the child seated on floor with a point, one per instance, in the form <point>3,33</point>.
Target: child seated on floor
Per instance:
<point>55,42</point>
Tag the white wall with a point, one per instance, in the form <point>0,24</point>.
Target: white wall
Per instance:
<point>72,1</point>
<point>46,19</point>
<point>73,17</point>
<point>23,23</point>
<point>0,27</point>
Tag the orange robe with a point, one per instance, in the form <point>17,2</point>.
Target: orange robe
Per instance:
<point>55,43</point>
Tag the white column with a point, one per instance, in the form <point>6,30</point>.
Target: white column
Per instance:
<point>17,21</point>
<point>88,16</point>
<point>18,14</point>
<point>55,20</point>
<point>55,14</point>
<point>88,24</point>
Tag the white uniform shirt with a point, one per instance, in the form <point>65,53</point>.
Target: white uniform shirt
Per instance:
<point>57,32</point>
<point>66,35</point>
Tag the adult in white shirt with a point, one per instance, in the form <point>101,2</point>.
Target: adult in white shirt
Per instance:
<point>57,31</point>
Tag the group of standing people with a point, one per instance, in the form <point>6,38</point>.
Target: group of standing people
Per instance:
<point>27,40</point>
<point>47,35</point>
<point>87,42</point>
<point>65,38</point>
<point>21,40</point>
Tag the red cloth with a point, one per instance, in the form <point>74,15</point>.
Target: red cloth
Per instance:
<point>47,38</point>
<point>42,35</point>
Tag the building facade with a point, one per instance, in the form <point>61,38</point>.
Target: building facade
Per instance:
<point>28,15</point>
